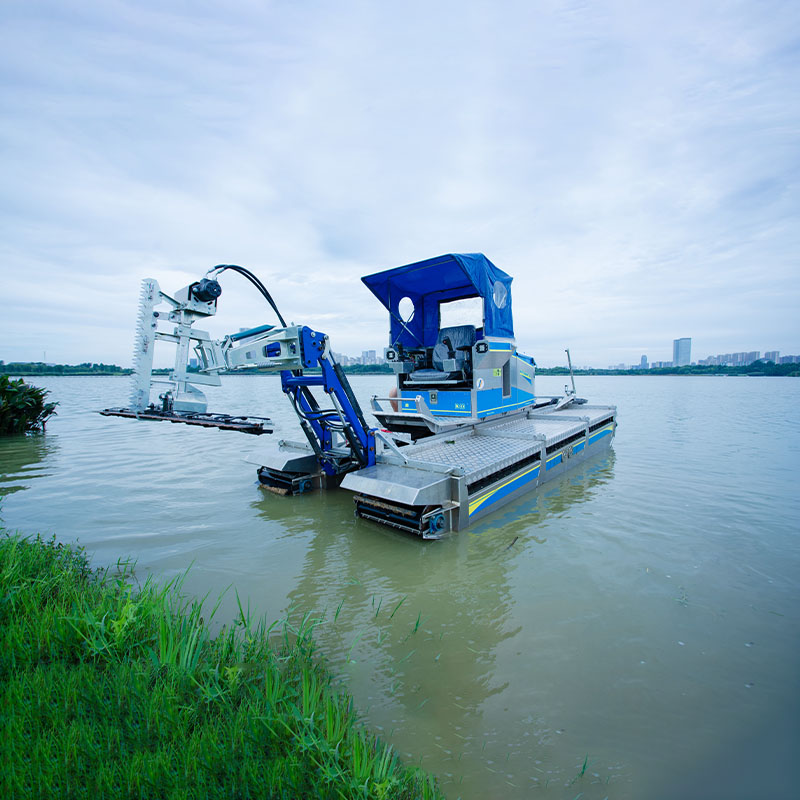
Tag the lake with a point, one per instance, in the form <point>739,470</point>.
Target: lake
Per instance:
<point>639,615</point>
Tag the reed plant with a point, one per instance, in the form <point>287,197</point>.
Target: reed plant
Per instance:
<point>23,407</point>
<point>114,691</point>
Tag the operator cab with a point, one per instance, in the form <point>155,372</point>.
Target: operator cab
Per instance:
<point>451,344</point>
<point>447,363</point>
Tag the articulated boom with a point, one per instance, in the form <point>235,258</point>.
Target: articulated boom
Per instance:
<point>338,436</point>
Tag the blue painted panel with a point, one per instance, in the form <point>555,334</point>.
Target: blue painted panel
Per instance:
<point>600,434</point>
<point>554,461</point>
<point>454,403</point>
<point>484,501</point>
<point>491,401</point>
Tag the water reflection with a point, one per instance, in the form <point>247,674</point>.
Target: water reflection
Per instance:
<point>417,626</point>
<point>554,498</point>
<point>21,460</point>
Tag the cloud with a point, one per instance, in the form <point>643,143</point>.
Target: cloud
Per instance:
<point>635,169</point>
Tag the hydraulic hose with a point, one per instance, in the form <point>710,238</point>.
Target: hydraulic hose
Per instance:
<point>220,268</point>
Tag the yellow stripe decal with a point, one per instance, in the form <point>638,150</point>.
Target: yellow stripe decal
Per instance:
<point>594,434</point>
<point>478,501</point>
<point>530,400</point>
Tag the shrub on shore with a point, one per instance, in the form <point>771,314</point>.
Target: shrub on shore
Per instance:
<point>22,407</point>
<point>108,691</point>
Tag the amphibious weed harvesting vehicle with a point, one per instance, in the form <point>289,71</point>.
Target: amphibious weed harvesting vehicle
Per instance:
<point>462,434</point>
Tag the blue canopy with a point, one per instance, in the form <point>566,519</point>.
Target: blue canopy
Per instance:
<point>428,283</point>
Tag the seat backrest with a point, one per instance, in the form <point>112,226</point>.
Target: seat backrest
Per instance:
<point>448,342</point>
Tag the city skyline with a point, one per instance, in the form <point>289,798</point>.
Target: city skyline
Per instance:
<point>681,353</point>
<point>374,356</point>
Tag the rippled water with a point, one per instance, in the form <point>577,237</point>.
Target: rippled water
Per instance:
<point>640,613</point>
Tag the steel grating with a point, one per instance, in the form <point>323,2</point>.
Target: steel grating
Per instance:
<point>553,430</point>
<point>475,454</point>
<point>591,414</point>
<point>490,448</point>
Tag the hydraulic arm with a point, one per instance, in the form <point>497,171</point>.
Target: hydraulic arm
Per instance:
<point>338,435</point>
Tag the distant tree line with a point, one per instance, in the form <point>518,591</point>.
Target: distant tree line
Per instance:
<point>27,368</point>
<point>368,369</point>
<point>353,369</point>
<point>40,368</point>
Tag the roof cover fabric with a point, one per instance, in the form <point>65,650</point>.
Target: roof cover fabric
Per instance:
<point>452,276</point>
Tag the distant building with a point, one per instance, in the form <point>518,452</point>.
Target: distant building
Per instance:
<point>643,363</point>
<point>741,359</point>
<point>367,357</point>
<point>790,360</point>
<point>682,352</point>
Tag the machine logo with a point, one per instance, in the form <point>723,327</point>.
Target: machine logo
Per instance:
<point>479,384</point>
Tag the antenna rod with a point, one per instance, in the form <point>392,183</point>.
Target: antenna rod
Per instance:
<point>572,377</point>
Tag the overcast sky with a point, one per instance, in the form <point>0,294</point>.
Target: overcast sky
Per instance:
<point>634,166</point>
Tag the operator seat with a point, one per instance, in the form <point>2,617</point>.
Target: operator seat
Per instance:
<point>453,344</point>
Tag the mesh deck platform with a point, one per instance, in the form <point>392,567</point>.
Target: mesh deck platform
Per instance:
<point>491,448</point>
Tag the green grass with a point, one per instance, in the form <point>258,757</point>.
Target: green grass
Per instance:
<point>111,691</point>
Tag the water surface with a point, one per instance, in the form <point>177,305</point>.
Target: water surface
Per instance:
<point>641,613</point>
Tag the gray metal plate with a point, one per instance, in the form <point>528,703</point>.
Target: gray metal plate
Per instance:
<point>492,446</point>
<point>553,430</point>
<point>475,454</point>
<point>413,487</point>
<point>283,458</point>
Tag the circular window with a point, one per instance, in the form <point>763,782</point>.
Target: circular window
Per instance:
<point>499,294</point>
<point>406,309</point>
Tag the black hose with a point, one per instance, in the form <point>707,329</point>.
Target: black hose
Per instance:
<point>220,268</point>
